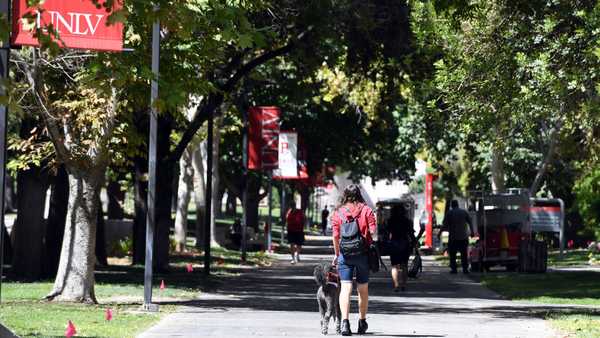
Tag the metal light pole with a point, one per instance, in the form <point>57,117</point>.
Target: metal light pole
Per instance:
<point>209,203</point>
<point>4,58</point>
<point>283,211</point>
<point>150,217</point>
<point>270,221</point>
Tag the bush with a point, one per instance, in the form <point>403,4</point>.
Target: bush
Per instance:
<point>121,248</point>
<point>587,190</point>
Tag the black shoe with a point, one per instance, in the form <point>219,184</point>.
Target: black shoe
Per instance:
<point>362,326</point>
<point>346,328</point>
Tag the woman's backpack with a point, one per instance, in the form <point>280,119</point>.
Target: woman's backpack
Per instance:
<point>352,243</point>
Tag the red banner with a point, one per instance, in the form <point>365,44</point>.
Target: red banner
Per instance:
<point>429,208</point>
<point>263,138</point>
<point>79,23</point>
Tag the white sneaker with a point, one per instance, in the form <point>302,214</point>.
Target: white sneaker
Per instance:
<point>293,261</point>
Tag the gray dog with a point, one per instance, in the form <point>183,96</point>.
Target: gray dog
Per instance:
<point>328,295</point>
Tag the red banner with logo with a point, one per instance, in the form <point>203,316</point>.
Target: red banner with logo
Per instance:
<point>263,138</point>
<point>79,23</point>
<point>429,208</point>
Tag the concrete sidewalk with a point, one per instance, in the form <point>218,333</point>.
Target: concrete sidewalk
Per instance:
<point>280,301</point>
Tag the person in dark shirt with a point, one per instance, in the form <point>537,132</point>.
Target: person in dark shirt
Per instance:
<point>324,215</point>
<point>455,222</point>
<point>402,240</point>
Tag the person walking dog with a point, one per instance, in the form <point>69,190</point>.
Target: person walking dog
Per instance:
<point>353,224</point>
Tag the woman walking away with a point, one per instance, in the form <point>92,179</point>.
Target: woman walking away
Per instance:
<point>402,239</point>
<point>353,224</point>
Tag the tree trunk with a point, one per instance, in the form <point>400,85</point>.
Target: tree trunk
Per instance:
<point>539,177</point>
<point>199,191</point>
<point>57,216</point>
<point>116,198</point>
<point>186,172</point>
<point>497,169</point>
<point>28,231</point>
<point>216,201</point>
<point>165,173</point>
<point>139,222</point>
<point>10,194</point>
<point>219,205</point>
<point>6,246</point>
<point>75,279</point>
<point>101,256</point>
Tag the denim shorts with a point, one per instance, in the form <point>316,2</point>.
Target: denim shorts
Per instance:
<point>348,266</point>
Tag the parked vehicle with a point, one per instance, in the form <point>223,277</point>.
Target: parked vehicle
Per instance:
<point>508,225</point>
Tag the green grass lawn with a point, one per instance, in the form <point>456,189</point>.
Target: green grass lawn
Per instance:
<point>120,288</point>
<point>579,326</point>
<point>570,258</point>
<point>24,312</point>
<point>566,288</point>
<point>581,287</point>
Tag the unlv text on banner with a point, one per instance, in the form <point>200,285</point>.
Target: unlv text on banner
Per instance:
<point>78,23</point>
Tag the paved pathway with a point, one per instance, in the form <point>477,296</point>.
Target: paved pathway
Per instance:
<point>280,301</point>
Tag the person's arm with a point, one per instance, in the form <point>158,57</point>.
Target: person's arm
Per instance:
<point>421,232</point>
<point>372,223</point>
<point>444,226</point>
<point>411,233</point>
<point>335,229</point>
<point>470,223</point>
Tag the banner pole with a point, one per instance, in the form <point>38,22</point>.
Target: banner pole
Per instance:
<point>4,63</point>
<point>150,218</point>
<point>270,219</point>
<point>245,183</point>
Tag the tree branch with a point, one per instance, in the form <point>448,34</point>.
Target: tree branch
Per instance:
<point>32,75</point>
<point>215,99</point>
<point>553,142</point>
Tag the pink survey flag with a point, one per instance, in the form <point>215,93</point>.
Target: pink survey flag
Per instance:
<point>190,268</point>
<point>108,315</point>
<point>71,331</point>
<point>162,284</point>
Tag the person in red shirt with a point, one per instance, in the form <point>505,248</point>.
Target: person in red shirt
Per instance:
<point>295,231</point>
<point>352,206</point>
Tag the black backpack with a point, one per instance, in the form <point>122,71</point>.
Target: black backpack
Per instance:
<point>352,243</point>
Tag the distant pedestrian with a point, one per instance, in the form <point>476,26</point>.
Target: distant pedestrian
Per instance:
<point>402,241</point>
<point>423,222</point>
<point>235,233</point>
<point>295,231</point>
<point>455,222</point>
<point>350,245</point>
<point>324,215</point>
